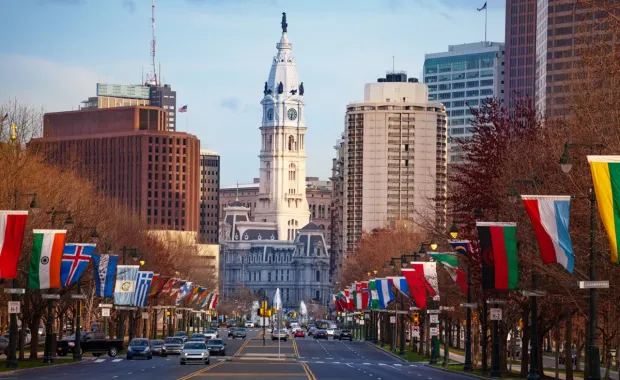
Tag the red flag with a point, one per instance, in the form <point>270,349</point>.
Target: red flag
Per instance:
<point>12,226</point>
<point>417,285</point>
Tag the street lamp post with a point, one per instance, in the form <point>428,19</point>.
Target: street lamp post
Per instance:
<point>594,364</point>
<point>121,314</point>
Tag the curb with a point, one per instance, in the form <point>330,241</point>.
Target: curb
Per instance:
<point>23,370</point>
<point>470,375</point>
<point>389,352</point>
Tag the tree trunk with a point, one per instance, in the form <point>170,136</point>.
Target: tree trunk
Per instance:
<point>557,351</point>
<point>568,347</point>
<point>458,336</point>
<point>34,341</point>
<point>61,319</point>
<point>525,340</point>
<point>579,347</point>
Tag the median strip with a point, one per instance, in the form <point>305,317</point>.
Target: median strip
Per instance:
<point>201,371</point>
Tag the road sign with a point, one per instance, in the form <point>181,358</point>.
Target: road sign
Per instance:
<point>499,302</point>
<point>14,307</point>
<point>536,293</point>
<point>593,284</point>
<point>392,319</point>
<point>413,308</point>
<point>416,331</point>
<point>78,296</point>
<point>105,312</point>
<point>434,331</point>
<point>361,321</point>
<point>108,305</point>
<point>446,308</point>
<point>434,311</point>
<point>15,291</point>
<point>179,316</point>
<point>349,319</point>
<point>50,296</point>
<point>434,318</point>
<point>496,314</point>
<point>469,305</point>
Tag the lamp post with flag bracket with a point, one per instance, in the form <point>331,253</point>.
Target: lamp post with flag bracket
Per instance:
<point>121,315</point>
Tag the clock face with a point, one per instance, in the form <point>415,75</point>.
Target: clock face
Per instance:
<point>292,114</point>
<point>270,114</point>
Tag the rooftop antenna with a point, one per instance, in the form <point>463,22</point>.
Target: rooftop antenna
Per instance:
<point>237,197</point>
<point>152,77</point>
<point>393,64</point>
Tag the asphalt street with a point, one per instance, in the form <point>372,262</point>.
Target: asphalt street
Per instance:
<point>252,359</point>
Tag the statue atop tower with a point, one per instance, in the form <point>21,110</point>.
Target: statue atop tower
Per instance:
<point>284,24</point>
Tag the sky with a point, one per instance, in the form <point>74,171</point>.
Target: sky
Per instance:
<point>217,54</point>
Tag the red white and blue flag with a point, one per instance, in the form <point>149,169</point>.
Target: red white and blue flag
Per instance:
<point>75,258</point>
<point>400,283</point>
<point>550,216</point>
<point>183,109</point>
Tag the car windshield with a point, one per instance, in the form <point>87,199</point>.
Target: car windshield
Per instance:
<point>157,342</point>
<point>174,341</point>
<point>198,336</point>
<point>210,331</point>
<point>344,331</point>
<point>215,341</point>
<point>139,342</point>
<point>180,333</point>
<point>194,346</point>
<point>241,329</point>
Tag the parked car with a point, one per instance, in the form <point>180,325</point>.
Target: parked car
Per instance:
<point>279,335</point>
<point>238,332</point>
<point>172,345</point>
<point>211,334</point>
<point>344,334</point>
<point>321,334</point>
<point>157,346</point>
<point>195,352</point>
<point>249,324</point>
<point>94,342</point>
<point>27,336</point>
<point>198,337</point>
<point>182,335</point>
<point>216,347</point>
<point>139,348</point>
<point>299,334</point>
<point>562,358</point>
<point>4,346</point>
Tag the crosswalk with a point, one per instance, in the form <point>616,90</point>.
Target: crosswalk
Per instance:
<point>350,363</point>
<point>118,360</point>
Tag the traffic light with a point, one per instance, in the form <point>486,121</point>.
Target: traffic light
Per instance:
<point>416,319</point>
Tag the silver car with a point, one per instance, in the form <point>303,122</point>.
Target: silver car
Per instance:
<point>172,346</point>
<point>195,352</point>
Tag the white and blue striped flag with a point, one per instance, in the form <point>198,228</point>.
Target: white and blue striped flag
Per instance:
<point>384,288</point>
<point>125,287</point>
<point>143,286</point>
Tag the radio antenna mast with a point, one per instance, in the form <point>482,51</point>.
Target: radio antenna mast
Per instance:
<point>151,78</point>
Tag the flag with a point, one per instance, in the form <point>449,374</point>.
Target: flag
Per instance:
<point>429,271</point>
<point>183,109</point>
<point>358,296</point>
<point>105,267</point>
<point>157,285</point>
<point>450,262</point>
<point>183,292</point>
<point>125,288</point>
<point>373,302</point>
<point>500,264</point>
<point>461,246</point>
<point>190,297</point>
<point>75,259</point>
<point>550,216</point>
<point>167,287</point>
<point>384,289</point>
<point>400,283</point>
<point>365,295</point>
<point>418,286</point>
<point>342,300</point>
<point>12,227</point>
<point>44,271</point>
<point>336,302</point>
<point>202,297</point>
<point>351,297</point>
<point>143,285</point>
<point>483,7</point>
<point>606,178</point>
<point>213,302</point>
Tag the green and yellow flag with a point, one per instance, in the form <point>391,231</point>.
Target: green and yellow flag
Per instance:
<point>606,179</point>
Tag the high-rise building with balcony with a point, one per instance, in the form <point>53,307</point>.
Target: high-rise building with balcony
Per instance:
<point>394,166</point>
<point>209,196</point>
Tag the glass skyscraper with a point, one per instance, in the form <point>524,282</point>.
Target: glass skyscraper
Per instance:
<point>461,78</point>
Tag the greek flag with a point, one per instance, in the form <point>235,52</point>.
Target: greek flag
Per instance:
<point>105,266</point>
<point>125,288</point>
<point>143,287</point>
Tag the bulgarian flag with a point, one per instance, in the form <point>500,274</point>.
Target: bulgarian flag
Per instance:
<point>373,302</point>
<point>500,263</point>
<point>12,226</point>
<point>46,259</point>
<point>606,178</point>
<point>450,263</point>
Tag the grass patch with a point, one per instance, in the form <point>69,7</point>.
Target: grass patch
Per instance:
<point>27,363</point>
<point>459,368</point>
<point>409,356</point>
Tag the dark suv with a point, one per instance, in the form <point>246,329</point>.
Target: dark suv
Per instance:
<point>345,334</point>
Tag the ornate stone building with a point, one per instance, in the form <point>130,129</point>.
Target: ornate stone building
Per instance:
<point>278,247</point>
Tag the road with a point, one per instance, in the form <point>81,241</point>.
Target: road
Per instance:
<point>250,359</point>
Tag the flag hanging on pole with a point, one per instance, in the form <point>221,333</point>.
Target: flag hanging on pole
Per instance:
<point>125,287</point>
<point>183,109</point>
<point>400,283</point>
<point>213,302</point>
<point>550,216</point>
<point>461,246</point>
<point>606,178</point>
<point>500,263</point>
<point>384,289</point>
<point>12,227</point>
<point>185,289</point>
<point>75,259</point>
<point>143,285</point>
<point>429,270</point>
<point>418,286</point>
<point>105,267</point>
<point>46,259</point>
<point>483,7</point>
<point>450,262</point>
<point>373,302</point>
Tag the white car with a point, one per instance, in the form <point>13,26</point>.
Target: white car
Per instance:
<point>249,324</point>
<point>331,329</point>
<point>211,334</point>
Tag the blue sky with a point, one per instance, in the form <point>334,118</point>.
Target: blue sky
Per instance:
<point>217,54</point>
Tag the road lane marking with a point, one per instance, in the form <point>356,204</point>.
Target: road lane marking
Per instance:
<point>99,360</point>
<point>308,371</point>
<point>350,365</point>
<point>117,360</point>
<point>241,348</point>
<point>398,365</point>
<point>295,348</point>
<point>201,371</point>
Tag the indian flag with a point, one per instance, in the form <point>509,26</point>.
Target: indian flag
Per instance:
<point>606,178</point>
<point>46,259</point>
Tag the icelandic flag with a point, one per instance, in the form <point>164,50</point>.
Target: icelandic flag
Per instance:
<point>75,258</point>
<point>385,292</point>
<point>143,286</point>
<point>461,246</point>
<point>183,109</point>
<point>550,216</point>
<point>105,267</point>
<point>125,288</point>
<point>401,284</point>
<point>183,292</point>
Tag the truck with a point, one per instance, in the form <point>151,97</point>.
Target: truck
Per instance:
<point>92,341</point>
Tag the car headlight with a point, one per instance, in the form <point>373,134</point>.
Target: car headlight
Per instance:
<point>71,344</point>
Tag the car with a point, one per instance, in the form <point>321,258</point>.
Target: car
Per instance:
<point>198,337</point>
<point>279,335</point>
<point>216,347</point>
<point>321,334</point>
<point>27,336</point>
<point>345,334</point>
<point>172,345</point>
<point>94,342</point>
<point>237,332</point>
<point>157,347</point>
<point>211,334</point>
<point>299,334</point>
<point>331,329</point>
<point>231,323</point>
<point>4,346</point>
<point>309,327</point>
<point>182,335</point>
<point>214,324</point>
<point>336,333</point>
<point>195,352</point>
<point>139,348</point>
<point>249,324</point>
<point>312,331</point>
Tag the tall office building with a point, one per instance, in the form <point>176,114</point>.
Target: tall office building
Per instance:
<point>164,97</point>
<point>209,196</point>
<point>394,158</point>
<point>461,78</point>
<point>131,156</point>
<point>520,72</point>
<point>336,240</point>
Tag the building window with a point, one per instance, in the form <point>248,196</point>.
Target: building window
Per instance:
<point>268,170</point>
<point>291,172</point>
<point>291,143</point>
<point>318,275</point>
